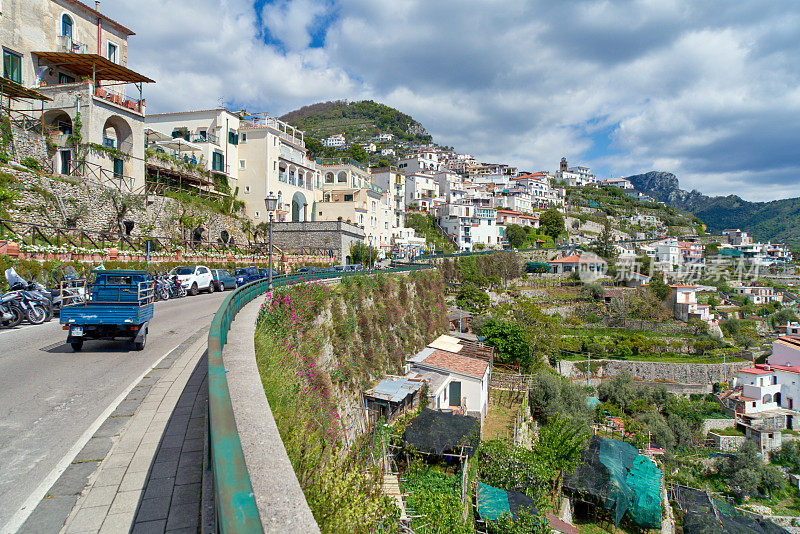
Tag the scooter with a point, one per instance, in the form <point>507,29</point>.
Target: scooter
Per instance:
<point>33,292</point>
<point>11,314</point>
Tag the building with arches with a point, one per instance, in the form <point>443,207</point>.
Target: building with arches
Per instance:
<point>272,157</point>
<point>77,56</point>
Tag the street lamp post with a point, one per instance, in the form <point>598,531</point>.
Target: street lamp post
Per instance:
<point>370,252</point>
<point>271,202</point>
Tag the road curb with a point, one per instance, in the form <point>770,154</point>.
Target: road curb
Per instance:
<point>55,507</point>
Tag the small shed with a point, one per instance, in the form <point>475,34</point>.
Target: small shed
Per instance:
<point>459,319</point>
<point>392,396</point>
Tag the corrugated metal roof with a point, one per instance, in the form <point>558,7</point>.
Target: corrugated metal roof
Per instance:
<point>394,389</point>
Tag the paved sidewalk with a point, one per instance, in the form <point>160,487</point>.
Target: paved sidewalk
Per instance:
<point>150,480</point>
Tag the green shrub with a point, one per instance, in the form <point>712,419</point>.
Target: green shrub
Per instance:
<point>31,163</point>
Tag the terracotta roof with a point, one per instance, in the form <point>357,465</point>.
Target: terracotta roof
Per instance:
<point>755,371</point>
<point>560,526</point>
<point>789,341</point>
<point>577,258</point>
<point>786,368</point>
<point>450,361</point>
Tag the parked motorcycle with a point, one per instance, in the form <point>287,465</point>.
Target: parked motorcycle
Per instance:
<point>36,299</point>
<point>11,314</point>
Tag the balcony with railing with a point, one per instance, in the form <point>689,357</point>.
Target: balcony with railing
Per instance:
<point>118,98</point>
<point>332,162</point>
<point>67,44</point>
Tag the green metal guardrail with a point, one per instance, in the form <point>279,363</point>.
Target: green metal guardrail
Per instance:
<point>234,502</point>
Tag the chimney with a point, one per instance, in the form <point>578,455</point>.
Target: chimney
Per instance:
<point>97,5</point>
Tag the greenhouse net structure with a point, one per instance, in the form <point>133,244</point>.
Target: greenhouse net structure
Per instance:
<point>443,433</point>
<point>493,502</point>
<point>623,480</point>
<point>704,513</point>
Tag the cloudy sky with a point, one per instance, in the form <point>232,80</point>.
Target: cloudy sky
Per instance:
<point>706,90</point>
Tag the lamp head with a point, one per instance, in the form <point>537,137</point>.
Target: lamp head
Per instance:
<point>271,202</point>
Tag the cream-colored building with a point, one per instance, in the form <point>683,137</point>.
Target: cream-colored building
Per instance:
<point>76,56</point>
<point>367,206</point>
<point>394,183</point>
<point>272,158</point>
<point>212,137</point>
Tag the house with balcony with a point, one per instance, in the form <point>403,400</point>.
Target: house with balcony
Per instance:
<point>272,158</point>
<point>691,251</point>
<point>206,138</point>
<point>334,141</point>
<point>76,57</point>
<point>367,206</point>
<point>469,225</point>
<point>763,401</point>
<point>759,295</point>
<point>425,160</point>
<point>391,180</point>
<point>586,263</point>
<point>422,190</point>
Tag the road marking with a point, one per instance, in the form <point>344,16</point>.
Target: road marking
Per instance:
<point>38,494</point>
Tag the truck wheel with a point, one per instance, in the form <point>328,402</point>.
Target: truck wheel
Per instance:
<point>77,345</point>
<point>211,287</point>
<point>139,345</point>
<point>193,291</point>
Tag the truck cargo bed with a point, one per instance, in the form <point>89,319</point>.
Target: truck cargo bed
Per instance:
<point>110,313</point>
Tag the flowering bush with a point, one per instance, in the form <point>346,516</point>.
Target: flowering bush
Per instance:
<point>317,347</point>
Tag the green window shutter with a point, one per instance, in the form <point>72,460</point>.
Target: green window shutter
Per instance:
<point>455,393</point>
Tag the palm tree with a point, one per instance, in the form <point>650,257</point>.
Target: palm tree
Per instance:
<point>558,451</point>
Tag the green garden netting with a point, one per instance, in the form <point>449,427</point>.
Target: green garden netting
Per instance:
<point>624,481</point>
<point>492,502</point>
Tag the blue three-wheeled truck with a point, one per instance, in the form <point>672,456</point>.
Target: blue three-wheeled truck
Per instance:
<point>119,305</point>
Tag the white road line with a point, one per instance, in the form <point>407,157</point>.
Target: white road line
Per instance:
<point>38,494</point>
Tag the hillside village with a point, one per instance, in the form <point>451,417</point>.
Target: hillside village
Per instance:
<point>552,306</point>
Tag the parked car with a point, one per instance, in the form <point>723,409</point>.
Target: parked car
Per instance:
<point>307,270</point>
<point>194,278</point>
<point>223,279</point>
<point>245,275</point>
<point>265,273</point>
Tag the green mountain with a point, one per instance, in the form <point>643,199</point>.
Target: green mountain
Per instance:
<point>777,221</point>
<point>358,121</point>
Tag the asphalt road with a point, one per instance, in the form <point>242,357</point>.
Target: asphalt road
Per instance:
<point>50,396</point>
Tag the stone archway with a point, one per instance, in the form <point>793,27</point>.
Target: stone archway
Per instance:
<point>58,124</point>
<point>298,207</point>
<point>118,135</point>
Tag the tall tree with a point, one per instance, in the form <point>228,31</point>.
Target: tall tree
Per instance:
<point>515,235</point>
<point>558,451</point>
<point>605,243</point>
<point>553,223</point>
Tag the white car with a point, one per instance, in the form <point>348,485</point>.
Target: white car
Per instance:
<point>195,279</point>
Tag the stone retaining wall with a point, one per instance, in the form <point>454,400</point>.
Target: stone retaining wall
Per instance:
<point>508,381</point>
<point>683,373</point>
<point>84,202</point>
<point>28,145</point>
<point>727,443</point>
<point>336,236</point>
<point>716,424</point>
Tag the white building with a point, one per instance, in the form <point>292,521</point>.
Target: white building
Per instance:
<point>667,252</point>
<point>367,206</point>
<point>575,176</point>
<point>272,159</point>
<point>759,295</point>
<point>470,225</point>
<point>426,160</point>
<point>215,131</point>
<point>383,138</point>
<point>421,189</point>
<point>334,141</point>
<point>622,183</point>
<point>685,306</point>
<point>455,381</point>
<point>515,199</point>
<point>737,237</point>
<point>387,152</point>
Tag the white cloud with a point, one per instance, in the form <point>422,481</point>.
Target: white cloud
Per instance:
<point>705,90</point>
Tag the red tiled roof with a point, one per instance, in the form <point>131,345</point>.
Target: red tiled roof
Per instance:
<point>755,371</point>
<point>451,361</point>
<point>577,258</point>
<point>560,526</point>
<point>794,341</point>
